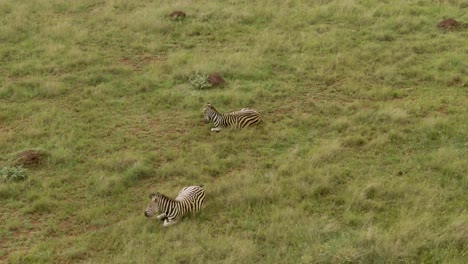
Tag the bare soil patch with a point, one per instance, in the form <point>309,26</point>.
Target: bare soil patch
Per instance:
<point>30,158</point>
<point>449,24</point>
<point>177,15</point>
<point>215,79</point>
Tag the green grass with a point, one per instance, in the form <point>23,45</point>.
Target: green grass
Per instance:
<point>361,158</point>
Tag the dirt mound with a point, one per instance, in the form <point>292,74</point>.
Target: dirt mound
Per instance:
<point>449,24</point>
<point>30,158</point>
<point>215,79</point>
<point>177,15</point>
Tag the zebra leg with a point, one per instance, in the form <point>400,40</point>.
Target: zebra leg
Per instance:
<point>168,222</point>
<point>161,216</point>
<point>215,129</point>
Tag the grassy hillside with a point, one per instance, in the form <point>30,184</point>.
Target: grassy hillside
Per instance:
<point>361,158</point>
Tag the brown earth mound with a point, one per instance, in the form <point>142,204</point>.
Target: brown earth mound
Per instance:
<point>30,158</point>
<point>449,24</point>
<point>177,14</point>
<point>215,79</point>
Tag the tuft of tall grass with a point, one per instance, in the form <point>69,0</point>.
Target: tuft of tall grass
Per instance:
<point>137,172</point>
<point>40,206</point>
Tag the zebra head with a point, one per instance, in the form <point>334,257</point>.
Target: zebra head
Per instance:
<point>208,112</point>
<point>153,206</point>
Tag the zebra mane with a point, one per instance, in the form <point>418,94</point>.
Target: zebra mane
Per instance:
<point>211,107</point>
<point>160,195</point>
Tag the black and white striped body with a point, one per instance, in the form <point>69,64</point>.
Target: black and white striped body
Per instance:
<point>239,119</point>
<point>190,199</point>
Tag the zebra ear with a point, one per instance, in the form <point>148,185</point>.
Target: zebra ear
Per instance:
<point>152,195</point>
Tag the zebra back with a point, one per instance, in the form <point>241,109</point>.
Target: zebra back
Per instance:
<point>241,119</point>
<point>192,198</point>
<point>238,119</point>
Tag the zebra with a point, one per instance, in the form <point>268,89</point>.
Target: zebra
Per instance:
<point>238,119</point>
<point>169,210</point>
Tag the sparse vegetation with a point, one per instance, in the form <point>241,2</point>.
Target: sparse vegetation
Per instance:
<point>361,157</point>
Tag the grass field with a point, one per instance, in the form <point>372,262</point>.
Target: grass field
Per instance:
<point>362,157</point>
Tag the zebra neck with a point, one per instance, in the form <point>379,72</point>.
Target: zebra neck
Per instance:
<point>166,203</point>
<point>218,118</point>
<point>216,114</point>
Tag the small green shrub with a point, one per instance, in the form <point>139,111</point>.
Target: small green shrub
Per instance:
<point>199,81</point>
<point>13,174</point>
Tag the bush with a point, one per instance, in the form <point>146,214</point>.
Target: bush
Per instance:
<point>199,81</point>
<point>13,174</point>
